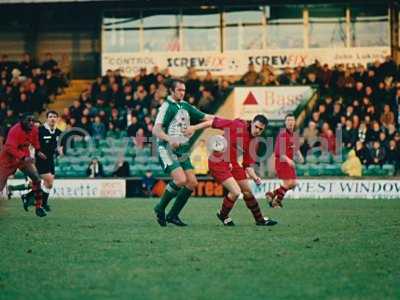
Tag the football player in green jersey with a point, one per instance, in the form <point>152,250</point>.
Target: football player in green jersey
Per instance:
<point>174,116</point>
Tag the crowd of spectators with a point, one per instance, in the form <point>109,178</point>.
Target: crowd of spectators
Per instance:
<point>114,103</point>
<point>27,86</point>
<point>361,103</point>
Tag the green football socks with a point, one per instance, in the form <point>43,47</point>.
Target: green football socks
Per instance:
<point>170,192</point>
<point>180,202</point>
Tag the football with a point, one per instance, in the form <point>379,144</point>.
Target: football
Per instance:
<point>217,143</point>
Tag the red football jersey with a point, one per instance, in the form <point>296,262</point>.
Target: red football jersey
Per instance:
<point>18,141</point>
<point>238,134</point>
<point>285,144</point>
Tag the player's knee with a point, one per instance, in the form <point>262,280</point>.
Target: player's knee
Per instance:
<point>48,183</point>
<point>181,181</point>
<point>247,194</point>
<point>234,195</point>
<point>292,184</point>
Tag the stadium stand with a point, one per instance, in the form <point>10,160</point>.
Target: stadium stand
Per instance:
<point>27,86</point>
<point>359,103</point>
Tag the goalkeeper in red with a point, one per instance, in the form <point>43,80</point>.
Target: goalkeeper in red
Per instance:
<point>286,149</point>
<point>241,137</point>
<point>16,155</point>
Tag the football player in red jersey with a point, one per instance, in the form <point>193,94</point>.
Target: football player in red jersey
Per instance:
<point>223,163</point>
<point>286,148</point>
<point>15,155</point>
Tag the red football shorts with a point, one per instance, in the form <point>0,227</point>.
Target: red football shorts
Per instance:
<point>7,169</point>
<point>284,171</point>
<point>222,170</point>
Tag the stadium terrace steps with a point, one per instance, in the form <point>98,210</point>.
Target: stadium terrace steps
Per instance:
<point>71,93</point>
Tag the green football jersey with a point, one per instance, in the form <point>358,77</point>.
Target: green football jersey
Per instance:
<point>174,118</point>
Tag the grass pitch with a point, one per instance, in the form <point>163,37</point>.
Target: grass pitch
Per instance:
<point>113,249</point>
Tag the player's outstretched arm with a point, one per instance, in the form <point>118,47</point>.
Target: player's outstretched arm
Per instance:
<point>203,125</point>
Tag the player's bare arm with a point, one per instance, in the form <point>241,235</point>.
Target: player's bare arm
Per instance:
<point>160,133</point>
<point>284,157</point>
<point>203,125</point>
<point>253,175</point>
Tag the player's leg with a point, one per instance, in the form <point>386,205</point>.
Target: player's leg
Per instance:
<point>30,170</point>
<point>171,166</point>
<point>18,187</point>
<point>183,195</point>
<point>6,170</point>
<point>289,181</point>
<point>3,182</point>
<point>48,180</point>
<point>275,198</point>
<point>229,201</point>
<point>252,204</point>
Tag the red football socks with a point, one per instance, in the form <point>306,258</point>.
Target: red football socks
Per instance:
<point>252,204</point>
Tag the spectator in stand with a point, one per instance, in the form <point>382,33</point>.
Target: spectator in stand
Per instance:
<point>285,77</point>
<point>224,88</point>
<point>209,84</point>
<point>362,153</point>
<point>26,65</point>
<point>250,77</point>
<point>205,101</point>
<point>315,117</point>
<point>192,84</point>
<point>391,132</point>
<point>85,125</point>
<point>61,123</point>
<point>374,133</point>
<point>349,135</point>
<point>383,140</point>
<point>140,139</point>
<point>334,118</point>
<point>148,182</point>
<point>95,169</point>
<point>118,120</point>
<point>134,126</point>
<point>121,169</point>
<point>328,142</point>
<point>362,132</point>
<point>49,63</point>
<point>264,75</point>
<point>393,155</point>
<point>396,108</point>
<point>352,166</point>
<point>117,96</point>
<point>3,111</point>
<point>75,110</point>
<point>23,105</point>
<point>377,154</point>
<point>387,117</point>
<point>310,134</point>
<point>98,129</point>
<point>322,111</point>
